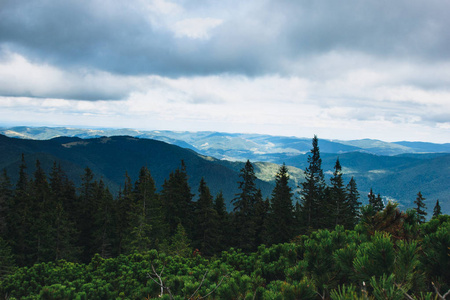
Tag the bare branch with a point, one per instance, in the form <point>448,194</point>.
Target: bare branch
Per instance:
<point>160,283</point>
<point>200,285</point>
<point>406,294</point>
<point>217,286</point>
<point>439,294</point>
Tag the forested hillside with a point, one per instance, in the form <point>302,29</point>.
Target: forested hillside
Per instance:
<point>396,170</point>
<point>60,240</point>
<point>110,158</point>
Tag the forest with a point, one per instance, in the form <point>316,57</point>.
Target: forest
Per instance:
<point>59,241</point>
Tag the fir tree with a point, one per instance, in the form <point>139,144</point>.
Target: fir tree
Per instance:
<point>122,217</point>
<point>260,218</point>
<point>148,205</point>
<point>375,201</point>
<point>312,190</point>
<point>280,219</point>
<point>63,191</point>
<point>339,207</point>
<point>7,263</point>
<point>6,194</point>
<point>224,226</point>
<point>437,209</point>
<point>85,212</point>
<point>144,200</point>
<point>206,222</point>
<point>353,201</point>
<point>244,209</point>
<point>379,204</point>
<point>22,219</point>
<point>176,198</point>
<point>420,207</point>
<point>103,232</point>
<point>62,201</point>
<point>180,244</point>
<point>43,214</point>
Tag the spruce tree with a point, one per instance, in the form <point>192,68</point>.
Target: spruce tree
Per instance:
<point>261,210</point>
<point>123,206</point>
<point>62,201</point>
<point>280,219</point>
<point>85,212</point>
<point>206,237</point>
<point>353,201</point>
<point>43,214</point>
<point>244,209</point>
<point>379,204</point>
<point>103,233</point>
<point>148,205</point>
<point>6,194</point>
<point>224,226</point>
<point>312,190</point>
<point>420,207</point>
<point>176,198</point>
<point>22,219</point>
<point>339,207</point>
<point>144,208</point>
<point>375,201</point>
<point>437,209</point>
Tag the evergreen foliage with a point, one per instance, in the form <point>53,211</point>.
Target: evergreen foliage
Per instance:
<point>312,190</point>
<point>375,201</point>
<point>244,221</point>
<point>206,231</point>
<point>420,207</point>
<point>327,264</point>
<point>59,244</point>
<point>437,209</point>
<point>280,218</point>
<point>338,204</point>
<point>177,202</point>
<point>353,201</point>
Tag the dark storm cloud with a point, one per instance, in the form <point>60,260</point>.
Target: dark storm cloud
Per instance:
<point>256,37</point>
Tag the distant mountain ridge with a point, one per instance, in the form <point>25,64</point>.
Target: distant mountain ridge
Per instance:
<point>395,170</point>
<point>111,157</point>
<point>235,146</point>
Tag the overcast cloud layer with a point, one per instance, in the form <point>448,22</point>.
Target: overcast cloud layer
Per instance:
<point>340,69</point>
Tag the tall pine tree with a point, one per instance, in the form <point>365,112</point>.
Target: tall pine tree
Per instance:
<point>206,237</point>
<point>6,194</point>
<point>86,210</point>
<point>224,230</point>
<point>280,220</point>
<point>43,213</point>
<point>176,198</point>
<point>437,209</point>
<point>312,190</point>
<point>420,207</point>
<point>62,201</point>
<point>339,207</point>
<point>103,233</point>
<point>353,201</point>
<point>375,201</point>
<point>22,219</point>
<point>122,217</point>
<point>244,209</point>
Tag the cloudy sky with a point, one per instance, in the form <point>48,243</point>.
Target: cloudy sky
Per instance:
<point>339,69</point>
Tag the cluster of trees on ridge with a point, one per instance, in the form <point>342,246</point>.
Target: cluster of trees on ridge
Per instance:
<point>44,218</point>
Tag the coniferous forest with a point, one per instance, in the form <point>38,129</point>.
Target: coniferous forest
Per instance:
<point>61,241</point>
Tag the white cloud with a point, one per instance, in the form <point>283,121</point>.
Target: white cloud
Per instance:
<point>269,104</point>
<point>195,28</point>
<point>279,67</point>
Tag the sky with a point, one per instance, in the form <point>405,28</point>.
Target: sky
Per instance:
<point>340,69</point>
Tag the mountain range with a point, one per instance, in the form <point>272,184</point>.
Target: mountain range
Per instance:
<point>398,171</point>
